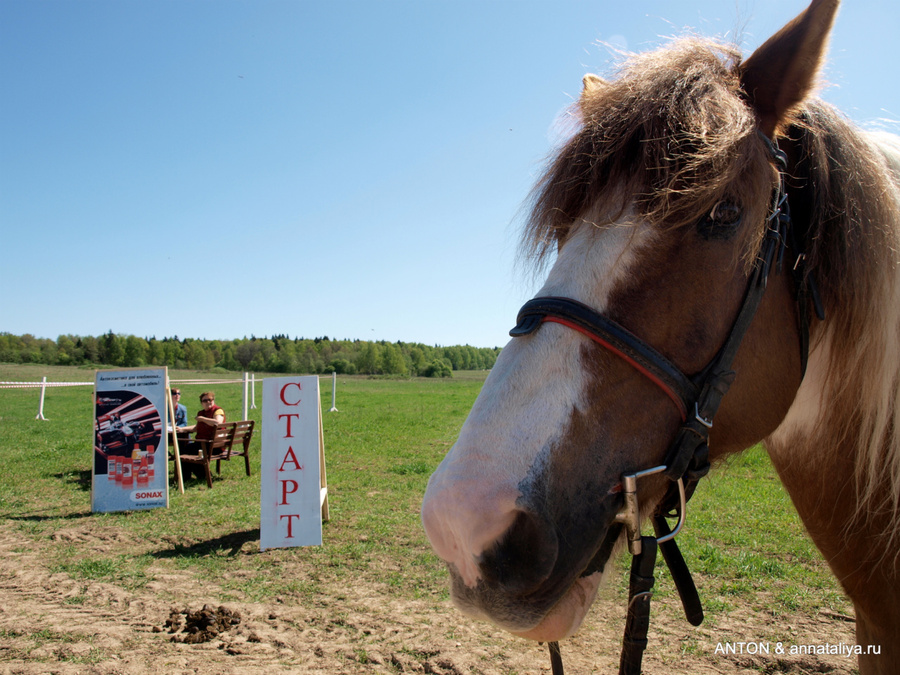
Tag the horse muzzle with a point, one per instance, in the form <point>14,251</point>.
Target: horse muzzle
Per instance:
<point>538,579</point>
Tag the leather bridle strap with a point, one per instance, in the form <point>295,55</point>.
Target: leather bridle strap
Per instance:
<point>637,618</point>
<point>613,337</point>
<point>717,377</point>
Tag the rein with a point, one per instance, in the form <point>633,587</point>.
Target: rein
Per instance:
<point>697,398</point>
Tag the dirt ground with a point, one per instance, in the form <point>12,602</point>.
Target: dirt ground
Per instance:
<point>51,623</point>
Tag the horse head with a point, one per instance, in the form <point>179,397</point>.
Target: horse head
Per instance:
<point>656,211</point>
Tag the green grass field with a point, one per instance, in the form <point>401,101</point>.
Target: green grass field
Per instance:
<point>743,540</point>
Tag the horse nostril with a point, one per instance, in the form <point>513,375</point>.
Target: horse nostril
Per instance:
<point>523,558</point>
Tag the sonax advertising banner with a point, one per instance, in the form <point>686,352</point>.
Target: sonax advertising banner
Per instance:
<point>130,469</point>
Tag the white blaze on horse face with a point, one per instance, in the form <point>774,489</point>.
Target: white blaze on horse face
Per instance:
<point>536,385</point>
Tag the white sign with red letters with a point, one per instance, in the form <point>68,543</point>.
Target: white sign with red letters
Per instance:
<point>294,489</point>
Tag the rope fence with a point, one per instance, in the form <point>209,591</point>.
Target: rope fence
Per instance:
<point>35,385</point>
<point>249,382</point>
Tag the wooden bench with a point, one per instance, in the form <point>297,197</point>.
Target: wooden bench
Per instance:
<point>232,439</point>
<point>239,446</point>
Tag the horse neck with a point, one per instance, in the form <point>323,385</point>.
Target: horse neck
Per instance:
<point>838,449</point>
<point>845,505</point>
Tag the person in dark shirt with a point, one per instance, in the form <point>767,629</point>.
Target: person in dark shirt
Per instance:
<point>180,410</point>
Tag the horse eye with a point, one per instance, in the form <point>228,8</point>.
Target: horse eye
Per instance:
<point>725,213</point>
<point>721,222</point>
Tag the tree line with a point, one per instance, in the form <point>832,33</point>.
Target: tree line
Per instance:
<point>277,354</point>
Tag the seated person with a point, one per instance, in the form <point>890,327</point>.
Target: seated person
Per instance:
<point>208,418</point>
<point>205,429</point>
<point>180,410</point>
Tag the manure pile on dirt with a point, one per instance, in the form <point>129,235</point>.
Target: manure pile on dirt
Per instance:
<point>203,625</point>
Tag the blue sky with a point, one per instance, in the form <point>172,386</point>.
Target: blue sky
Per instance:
<point>351,169</point>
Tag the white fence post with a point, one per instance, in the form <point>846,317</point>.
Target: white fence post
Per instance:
<point>40,415</point>
<point>252,391</point>
<point>246,381</point>
<point>333,391</point>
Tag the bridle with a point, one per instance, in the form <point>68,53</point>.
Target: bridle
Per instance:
<point>697,398</point>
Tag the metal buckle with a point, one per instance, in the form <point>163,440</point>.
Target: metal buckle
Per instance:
<point>697,416</point>
<point>630,515</point>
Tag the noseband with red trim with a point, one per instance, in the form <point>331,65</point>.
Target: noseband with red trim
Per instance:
<point>697,398</point>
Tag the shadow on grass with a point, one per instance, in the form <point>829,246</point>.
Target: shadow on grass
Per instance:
<point>80,479</point>
<point>38,518</point>
<point>233,541</point>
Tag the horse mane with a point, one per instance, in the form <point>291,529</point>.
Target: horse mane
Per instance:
<point>678,113</point>
<point>669,134</point>
<point>854,253</point>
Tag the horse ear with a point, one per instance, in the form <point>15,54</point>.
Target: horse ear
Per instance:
<point>591,83</point>
<point>780,74</point>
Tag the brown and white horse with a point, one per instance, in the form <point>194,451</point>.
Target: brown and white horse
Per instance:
<point>657,209</point>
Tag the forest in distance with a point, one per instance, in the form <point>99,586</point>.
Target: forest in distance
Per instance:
<point>276,354</point>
